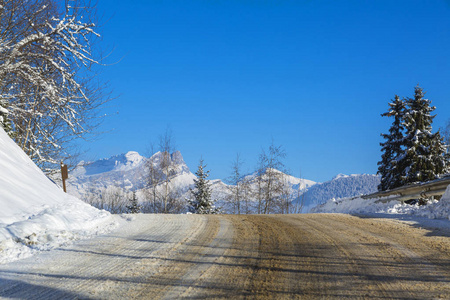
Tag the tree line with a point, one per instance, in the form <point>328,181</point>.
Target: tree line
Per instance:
<point>264,191</point>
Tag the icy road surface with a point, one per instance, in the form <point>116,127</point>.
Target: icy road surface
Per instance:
<point>279,256</point>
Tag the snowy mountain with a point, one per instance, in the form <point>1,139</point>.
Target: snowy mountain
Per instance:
<point>340,186</point>
<point>36,214</point>
<point>291,180</point>
<point>128,170</point>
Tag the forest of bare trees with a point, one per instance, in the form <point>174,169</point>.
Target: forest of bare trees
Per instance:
<point>160,196</point>
<point>266,190</point>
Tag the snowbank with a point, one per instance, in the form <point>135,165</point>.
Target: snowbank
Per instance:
<point>434,210</point>
<point>35,214</point>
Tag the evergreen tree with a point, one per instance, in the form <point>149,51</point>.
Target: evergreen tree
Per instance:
<point>134,207</point>
<point>392,147</point>
<point>202,202</point>
<point>424,156</point>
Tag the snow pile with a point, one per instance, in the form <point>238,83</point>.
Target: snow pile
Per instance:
<point>36,214</point>
<point>433,210</point>
<point>355,205</point>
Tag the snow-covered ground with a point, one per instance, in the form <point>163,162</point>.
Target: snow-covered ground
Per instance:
<point>390,208</point>
<point>35,214</point>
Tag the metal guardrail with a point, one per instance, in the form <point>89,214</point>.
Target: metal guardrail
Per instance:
<point>427,189</point>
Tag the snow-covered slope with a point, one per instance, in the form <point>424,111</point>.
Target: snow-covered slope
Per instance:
<point>339,187</point>
<point>35,214</point>
<point>355,205</point>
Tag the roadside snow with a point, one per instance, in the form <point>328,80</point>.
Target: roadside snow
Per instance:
<point>434,210</point>
<point>35,214</point>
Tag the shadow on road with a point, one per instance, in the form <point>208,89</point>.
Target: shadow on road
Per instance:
<point>435,227</point>
<point>16,289</point>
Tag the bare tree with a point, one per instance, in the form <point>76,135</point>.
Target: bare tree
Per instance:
<point>112,198</point>
<point>272,178</point>
<point>115,199</point>
<point>167,147</point>
<point>235,186</point>
<point>47,75</point>
<point>246,195</point>
<point>297,207</point>
<point>259,178</point>
<point>154,179</point>
<point>161,196</point>
<point>285,197</point>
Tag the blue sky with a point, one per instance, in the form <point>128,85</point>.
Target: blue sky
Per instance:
<point>230,76</point>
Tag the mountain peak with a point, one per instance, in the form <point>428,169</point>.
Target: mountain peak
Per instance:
<point>340,175</point>
<point>121,162</point>
<point>133,157</point>
<point>177,158</point>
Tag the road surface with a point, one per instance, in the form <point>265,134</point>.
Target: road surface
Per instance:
<point>276,256</point>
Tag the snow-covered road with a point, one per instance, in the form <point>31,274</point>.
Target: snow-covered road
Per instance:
<point>285,256</point>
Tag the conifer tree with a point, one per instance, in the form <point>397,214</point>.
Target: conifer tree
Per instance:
<point>411,152</point>
<point>424,156</point>
<point>202,202</point>
<point>392,147</point>
<point>134,207</point>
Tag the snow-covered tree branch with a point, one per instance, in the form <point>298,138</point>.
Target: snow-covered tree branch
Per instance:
<point>47,79</point>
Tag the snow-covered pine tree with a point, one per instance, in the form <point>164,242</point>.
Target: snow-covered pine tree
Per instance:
<point>440,154</point>
<point>202,202</point>
<point>134,207</point>
<point>424,156</point>
<point>392,147</point>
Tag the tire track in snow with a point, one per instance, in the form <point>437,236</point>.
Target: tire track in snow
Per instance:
<point>106,266</point>
<point>210,254</point>
<point>381,264</point>
<point>275,256</point>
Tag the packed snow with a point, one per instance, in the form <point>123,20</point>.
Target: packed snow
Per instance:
<point>433,210</point>
<point>36,214</point>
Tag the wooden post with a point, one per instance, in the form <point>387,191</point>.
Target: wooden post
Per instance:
<point>64,175</point>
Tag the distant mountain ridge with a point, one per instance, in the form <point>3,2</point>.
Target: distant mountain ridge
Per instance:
<point>121,162</point>
<point>129,171</point>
